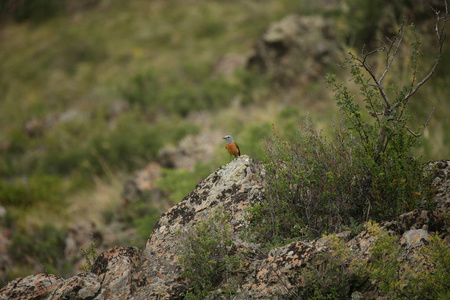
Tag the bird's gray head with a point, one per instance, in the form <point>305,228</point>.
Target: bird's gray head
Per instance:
<point>228,138</point>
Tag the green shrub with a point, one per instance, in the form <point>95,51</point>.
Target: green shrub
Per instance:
<point>366,171</point>
<point>208,255</point>
<point>250,140</point>
<point>433,277</point>
<point>141,215</point>
<point>425,276</point>
<point>362,20</point>
<point>308,186</point>
<point>384,266</point>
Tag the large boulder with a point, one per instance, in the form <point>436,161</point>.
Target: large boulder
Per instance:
<point>233,187</point>
<point>296,49</point>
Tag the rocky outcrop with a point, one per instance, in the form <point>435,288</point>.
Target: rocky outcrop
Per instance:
<point>126,273</point>
<point>297,49</point>
<point>233,187</point>
<point>122,272</point>
<point>110,278</point>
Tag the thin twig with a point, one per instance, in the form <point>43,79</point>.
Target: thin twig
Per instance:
<point>424,126</point>
<point>363,62</point>
<point>441,36</point>
<point>399,39</point>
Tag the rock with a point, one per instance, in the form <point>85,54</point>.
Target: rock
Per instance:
<point>111,278</point>
<point>81,286</point>
<point>417,219</point>
<point>414,238</point>
<point>2,212</point>
<point>441,181</point>
<point>233,187</point>
<point>37,286</point>
<point>296,49</point>
<point>37,126</point>
<point>114,269</point>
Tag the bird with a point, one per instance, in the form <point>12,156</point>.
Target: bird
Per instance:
<point>231,146</point>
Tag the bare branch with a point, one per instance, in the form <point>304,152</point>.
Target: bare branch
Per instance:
<point>441,36</point>
<point>424,126</point>
<point>363,63</point>
<point>396,46</point>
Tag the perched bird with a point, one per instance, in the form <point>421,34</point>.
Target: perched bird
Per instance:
<point>231,146</point>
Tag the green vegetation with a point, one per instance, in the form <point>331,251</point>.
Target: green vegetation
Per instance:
<point>428,279</point>
<point>366,171</point>
<point>208,255</point>
<point>90,256</point>
<point>387,267</point>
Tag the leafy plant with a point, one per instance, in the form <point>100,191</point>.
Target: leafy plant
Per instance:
<point>26,192</point>
<point>384,154</point>
<point>308,186</point>
<point>433,280</point>
<point>384,267</point>
<point>208,255</point>
<point>90,256</point>
<point>366,171</point>
<point>177,183</point>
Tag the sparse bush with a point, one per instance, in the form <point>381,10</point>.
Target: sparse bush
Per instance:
<point>308,186</point>
<point>208,255</point>
<point>366,171</point>
<point>90,256</point>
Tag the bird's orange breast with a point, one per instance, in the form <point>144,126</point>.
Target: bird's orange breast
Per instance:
<point>233,149</point>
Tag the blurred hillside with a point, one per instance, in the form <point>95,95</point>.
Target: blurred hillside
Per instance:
<point>92,91</point>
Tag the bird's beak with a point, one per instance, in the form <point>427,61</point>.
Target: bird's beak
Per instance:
<point>224,138</point>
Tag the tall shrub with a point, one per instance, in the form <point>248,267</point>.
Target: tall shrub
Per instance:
<point>367,170</point>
